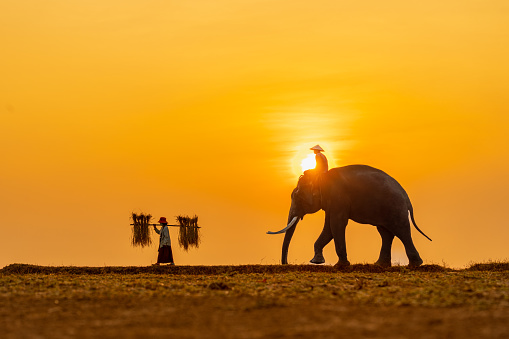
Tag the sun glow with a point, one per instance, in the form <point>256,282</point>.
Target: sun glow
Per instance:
<point>308,163</point>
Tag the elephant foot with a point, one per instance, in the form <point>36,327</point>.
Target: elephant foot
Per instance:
<point>383,263</point>
<point>318,259</point>
<point>415,263</point>
<point>342,263</point>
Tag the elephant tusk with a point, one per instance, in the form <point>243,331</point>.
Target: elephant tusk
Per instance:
<point>286,228</point>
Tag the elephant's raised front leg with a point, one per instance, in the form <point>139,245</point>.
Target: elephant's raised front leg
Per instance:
<point>385,252</point>
<point>338,222</point>
<point>322,241</point>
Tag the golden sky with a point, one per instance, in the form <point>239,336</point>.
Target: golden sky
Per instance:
<point>208,108</point>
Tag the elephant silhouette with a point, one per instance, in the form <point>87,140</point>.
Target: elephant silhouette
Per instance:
<point>360,193</point>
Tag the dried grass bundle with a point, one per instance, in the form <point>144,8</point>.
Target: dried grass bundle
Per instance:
<point>141,232</point>
<point>189,232</point>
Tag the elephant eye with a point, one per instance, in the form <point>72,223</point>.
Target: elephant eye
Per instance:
<point>300,196</point>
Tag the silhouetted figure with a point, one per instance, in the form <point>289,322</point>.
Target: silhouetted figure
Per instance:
<point>322,165</point>
<point>165,253</point>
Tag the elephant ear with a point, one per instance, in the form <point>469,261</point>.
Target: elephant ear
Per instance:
<point>304,191</point>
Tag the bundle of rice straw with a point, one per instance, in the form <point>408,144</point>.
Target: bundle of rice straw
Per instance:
<point>188,232</point>
<point>141,232</point>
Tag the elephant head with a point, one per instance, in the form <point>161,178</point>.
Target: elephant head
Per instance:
<point>306,199</point>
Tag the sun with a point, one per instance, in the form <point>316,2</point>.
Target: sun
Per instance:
<point>308,163</point>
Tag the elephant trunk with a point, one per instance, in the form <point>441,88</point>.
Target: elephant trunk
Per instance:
<point>294,220</point>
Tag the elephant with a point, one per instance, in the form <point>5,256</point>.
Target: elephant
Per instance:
<point>360,193</point>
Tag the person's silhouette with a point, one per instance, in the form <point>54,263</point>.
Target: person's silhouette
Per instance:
<point>165,253</point>
<point>322,165</point>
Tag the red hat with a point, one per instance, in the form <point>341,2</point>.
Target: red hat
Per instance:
<point>162,220</point>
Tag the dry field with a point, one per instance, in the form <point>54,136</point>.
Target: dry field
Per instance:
<point>254,301</point>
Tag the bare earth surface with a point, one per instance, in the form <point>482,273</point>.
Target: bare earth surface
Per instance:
<point>260,301</point>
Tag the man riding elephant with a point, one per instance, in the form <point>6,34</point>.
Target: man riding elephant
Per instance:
<point>322,166</point>
<point>359,193</point>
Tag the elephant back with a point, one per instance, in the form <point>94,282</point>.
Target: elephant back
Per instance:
<point>366,183</point>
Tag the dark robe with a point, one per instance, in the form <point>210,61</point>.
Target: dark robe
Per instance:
<point>165,255</point>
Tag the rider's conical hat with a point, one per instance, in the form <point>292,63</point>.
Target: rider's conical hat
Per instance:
<point>317,148</point>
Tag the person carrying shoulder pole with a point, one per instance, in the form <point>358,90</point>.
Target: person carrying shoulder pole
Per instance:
<point>165,254</point>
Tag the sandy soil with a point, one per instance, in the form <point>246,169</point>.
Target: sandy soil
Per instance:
<point>245,317</point>
<point>272,302</point>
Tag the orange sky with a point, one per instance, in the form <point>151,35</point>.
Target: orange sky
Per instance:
<point>208,108</point>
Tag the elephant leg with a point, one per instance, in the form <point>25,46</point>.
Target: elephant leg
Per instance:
<point>338,224</point>
<point>324,238</point>
<point>385,252</point>
<point>403,233</point>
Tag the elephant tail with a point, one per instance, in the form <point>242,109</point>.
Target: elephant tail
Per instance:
<point>411,209</point>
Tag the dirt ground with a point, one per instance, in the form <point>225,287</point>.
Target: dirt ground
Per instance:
<point>223,317</point>
<point>257,305</point>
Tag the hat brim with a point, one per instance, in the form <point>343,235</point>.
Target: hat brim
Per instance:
<point>317,148</point>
